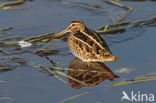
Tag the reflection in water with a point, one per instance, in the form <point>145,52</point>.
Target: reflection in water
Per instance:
<point>91,73</point>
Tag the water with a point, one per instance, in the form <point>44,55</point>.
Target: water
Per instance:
<point>28,84</point>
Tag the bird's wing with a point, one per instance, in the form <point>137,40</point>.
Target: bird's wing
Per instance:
<point>97,38</point>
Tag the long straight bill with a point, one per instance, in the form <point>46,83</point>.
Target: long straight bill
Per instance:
<point>62,33</point>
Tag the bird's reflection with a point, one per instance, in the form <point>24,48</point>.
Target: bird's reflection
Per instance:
<point>91,73</point>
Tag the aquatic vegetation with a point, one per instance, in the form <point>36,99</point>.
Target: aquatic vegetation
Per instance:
<point>2,69</point>
<point>5,29</point>
<point>122,26</point>
<point>73,97</point>
<point>121,16</point>
<point>10,39</point>
<point>53,73</point>
<point>9,5</point>
<point>105,30</point>
<point>6,98</point>
<point>11,8</point>
<point>2,81</point>
<point>1,50</point>
<point>139,79</point>
<point>87,6</point>
<point>46,52</point>
<point>11,63</point>
<point>13,3</point>
<point>75,4</point>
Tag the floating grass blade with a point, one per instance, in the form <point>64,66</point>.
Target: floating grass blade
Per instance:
<point>2,51</point>
<point>132,82</point>
<point>5,29</point>
<point>73,97</point>
<point>63,74</point>
<point>51,72</point>
<point>46,52</point>
<point>6,98</point>
<point>148,77</point>
<point>6,68</point>
<point>121,27</point>
<point>13,3</point>
<point>57,76</point>
<point>2,81</point>
<point>11,8</point>
<point>10,38</point>
<point>111,31</point>
<point>121,16</point>
<point>11,42</point>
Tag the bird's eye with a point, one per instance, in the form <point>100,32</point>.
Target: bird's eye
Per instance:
<point>73,24</point>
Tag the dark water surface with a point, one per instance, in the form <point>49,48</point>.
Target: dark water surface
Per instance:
<point>32,85</point>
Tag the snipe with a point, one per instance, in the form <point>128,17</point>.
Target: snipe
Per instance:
<point>86,44</point>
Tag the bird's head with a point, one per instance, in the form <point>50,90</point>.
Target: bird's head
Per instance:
<point>73,27</point>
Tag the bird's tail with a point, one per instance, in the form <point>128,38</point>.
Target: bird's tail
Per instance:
<point>116,59</point>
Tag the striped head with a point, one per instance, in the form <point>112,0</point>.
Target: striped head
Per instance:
<point>76,25</point>
<point>73,27</point>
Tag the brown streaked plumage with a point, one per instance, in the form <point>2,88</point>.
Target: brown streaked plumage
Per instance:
<point>86,44</point>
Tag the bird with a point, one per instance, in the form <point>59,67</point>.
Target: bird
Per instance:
<point>86,44</point>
